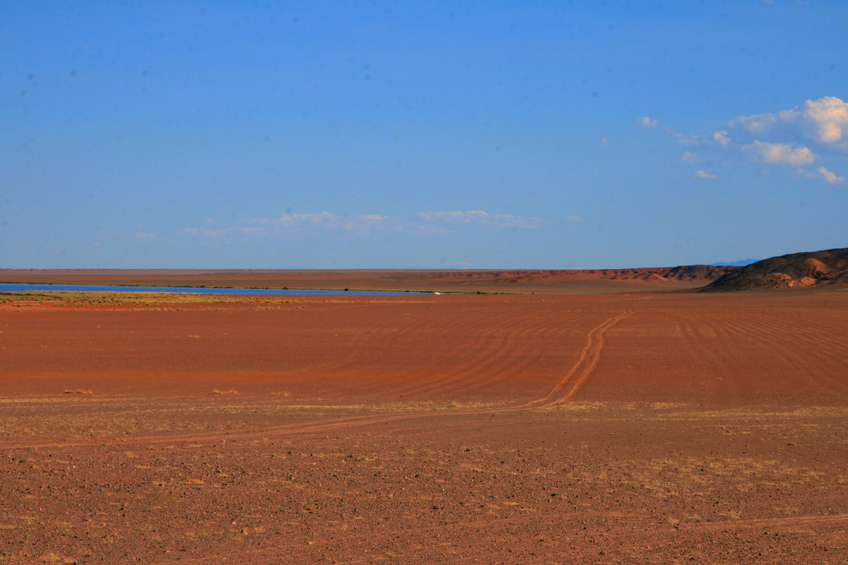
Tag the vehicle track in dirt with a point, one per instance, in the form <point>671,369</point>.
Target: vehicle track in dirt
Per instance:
<point>789,521</point>
<point>579,373</point>
<point>561,392</point>
<point>811,364</point>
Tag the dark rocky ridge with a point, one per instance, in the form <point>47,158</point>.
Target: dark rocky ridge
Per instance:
<point>816,268</point>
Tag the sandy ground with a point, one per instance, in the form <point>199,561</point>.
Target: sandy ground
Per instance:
<point>643,428</point>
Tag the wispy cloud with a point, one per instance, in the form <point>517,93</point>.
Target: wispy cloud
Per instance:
<point>479,217</point>
<point>721,138</point>
<point>685,138</point>
<point>646,122</point>
<point>823,174</point>
<point>207,232</point>
<point>703,175</point>
<point>573,220</point>
<point>689,157</point>
<point>326,222</point>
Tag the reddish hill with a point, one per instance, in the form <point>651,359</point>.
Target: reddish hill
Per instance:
<point>788,271</point>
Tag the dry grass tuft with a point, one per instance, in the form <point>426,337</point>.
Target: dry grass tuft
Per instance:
<point>219,391</point>
<point>79,391</point>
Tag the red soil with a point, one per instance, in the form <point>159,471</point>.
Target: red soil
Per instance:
<point>651,428</point>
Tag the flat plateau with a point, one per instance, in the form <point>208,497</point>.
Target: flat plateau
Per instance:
<point>550,428</point>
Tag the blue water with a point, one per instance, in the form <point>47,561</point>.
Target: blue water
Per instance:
<point>186,289</point>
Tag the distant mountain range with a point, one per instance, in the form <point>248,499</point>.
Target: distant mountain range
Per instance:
<point>816,268</point>
<point>742,263</point>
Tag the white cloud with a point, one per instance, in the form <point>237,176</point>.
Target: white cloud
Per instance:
<point>823,174</point>
<point>290,220</point>
<point>646,122</point>
<point>778,153</point>
<point>207,232</point>
<point>374,219</point>
<point>574,220</point>
<point>827,118</point>
<point>479,217</point>
<point>702,175</point>
<point>794,137</point>
<point>327,221</point>
<point>721,137</point>
<point>685,138</point>
<point>824,121</point>
<point>423,222</point>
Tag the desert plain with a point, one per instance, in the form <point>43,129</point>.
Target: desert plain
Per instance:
<point>547,424</point>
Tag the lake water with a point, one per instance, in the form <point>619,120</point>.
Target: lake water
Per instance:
<point>186,289</point>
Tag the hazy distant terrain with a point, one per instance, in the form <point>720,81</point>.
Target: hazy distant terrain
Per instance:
<point>454,280</point>
<point>796,270</point>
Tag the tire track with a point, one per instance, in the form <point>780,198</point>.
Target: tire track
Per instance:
<point>786,345</point>
<point>579,373</point>
<point>559,394</point>
<point>750,523</point>
<point>491,351</point>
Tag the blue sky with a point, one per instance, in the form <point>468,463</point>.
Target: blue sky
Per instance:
<point>420,134</point>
